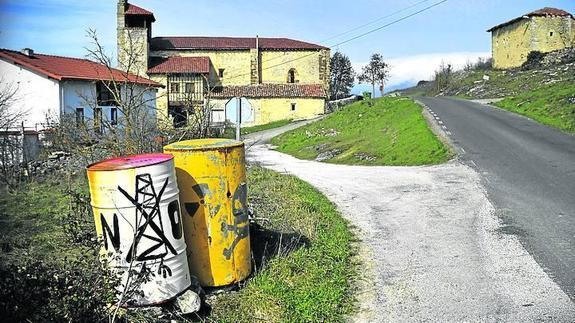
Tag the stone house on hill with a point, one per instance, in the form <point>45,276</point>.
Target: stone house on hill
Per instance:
<point>277,78</point>
<point>543,30</point>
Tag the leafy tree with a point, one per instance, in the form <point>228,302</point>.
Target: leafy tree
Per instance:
<point>375,72</point>
<point>342,76</point>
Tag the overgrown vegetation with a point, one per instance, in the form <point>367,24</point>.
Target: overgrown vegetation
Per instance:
<point>386,131</point>
<point>552,105</point>
<point>49,268</point>
<point>303,254</point>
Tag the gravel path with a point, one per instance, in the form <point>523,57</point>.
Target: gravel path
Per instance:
<point>431,244</point>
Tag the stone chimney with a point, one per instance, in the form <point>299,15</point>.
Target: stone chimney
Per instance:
<point>255,66</point>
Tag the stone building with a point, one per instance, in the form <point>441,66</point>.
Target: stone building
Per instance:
<point>277,78</point>
<point>544,30</point>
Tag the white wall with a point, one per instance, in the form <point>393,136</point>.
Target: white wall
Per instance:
<point>37,95</point>
<point>82,94</point>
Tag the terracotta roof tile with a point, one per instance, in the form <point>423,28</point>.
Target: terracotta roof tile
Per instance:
<point>271,91</point>
<point>159,43</point>
<point>161,65</point>
<point>135,10</point>
<point>68,68</point>
<point>547,11</point>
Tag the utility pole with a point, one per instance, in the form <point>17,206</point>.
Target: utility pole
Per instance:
<point>238,117</point>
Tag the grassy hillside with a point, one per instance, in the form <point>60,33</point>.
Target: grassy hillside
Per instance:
<point>386,131</point>
<point>500,83</point>
<point>544,91</point>
<point>552,105</point>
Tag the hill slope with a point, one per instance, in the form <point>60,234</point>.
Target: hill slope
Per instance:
<point>386,131</point>
<point>543,91</point>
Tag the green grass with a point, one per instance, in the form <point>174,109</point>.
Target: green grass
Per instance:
<point>230,132</point>
<point>32,220</point>
<point>548,105</point>
<point>386,131</point>
<point>304,283</point>
<point>308,278</point>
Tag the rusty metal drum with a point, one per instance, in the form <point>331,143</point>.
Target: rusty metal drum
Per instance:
<point>135,201</point>
<point>213,195</point>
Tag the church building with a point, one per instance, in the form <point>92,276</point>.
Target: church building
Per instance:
<point>276,78</point>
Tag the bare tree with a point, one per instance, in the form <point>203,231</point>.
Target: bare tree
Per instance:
<point>443,76</point>
<point>134,128</point>
<point>12,136</point>
<point>9,117</point>
<point>375,72</point>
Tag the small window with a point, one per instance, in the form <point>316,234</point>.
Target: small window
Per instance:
<point>175,87</point>
<point>189,87</point>
<point>291,76</point>
<point>221,72</point>
<point>105,97</point>
<point>551,34</point>
<point>79,116</point>
<point>293,106</point>
<point>114,116</point>
<point>98,119</point>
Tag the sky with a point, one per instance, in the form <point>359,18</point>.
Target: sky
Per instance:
<point>453,32</point>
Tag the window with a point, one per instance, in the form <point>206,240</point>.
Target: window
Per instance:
<point>189,87</point>
<point>79,116</point>
<point>105,97</point>
<point>175,87</point>
<point>293,105</point>
<point>551,34</point>
<point>221,72</point>
<point>114,116</point>
<point>98,119</point>
<point>291,76</point>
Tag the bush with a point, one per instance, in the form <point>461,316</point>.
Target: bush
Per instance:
<point>49,266</point>
<point>78,290</point>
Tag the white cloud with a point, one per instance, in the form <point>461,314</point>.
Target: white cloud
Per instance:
<point>411,69</point>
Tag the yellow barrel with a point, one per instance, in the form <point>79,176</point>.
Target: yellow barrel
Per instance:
<point>137,214</point>
<point>212,180</point>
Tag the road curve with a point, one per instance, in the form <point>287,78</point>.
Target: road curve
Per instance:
<point>432,247</point>
<point>528,170</point>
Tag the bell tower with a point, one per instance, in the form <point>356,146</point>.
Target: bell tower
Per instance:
<point>134,32</point>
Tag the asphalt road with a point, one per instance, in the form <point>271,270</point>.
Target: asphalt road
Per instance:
<point>529,172</point>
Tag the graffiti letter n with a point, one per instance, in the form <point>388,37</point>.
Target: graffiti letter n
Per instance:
<point>114,237</point>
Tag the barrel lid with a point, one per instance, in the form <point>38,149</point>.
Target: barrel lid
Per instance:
<point>203,144</point>
<point>129,162</point>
